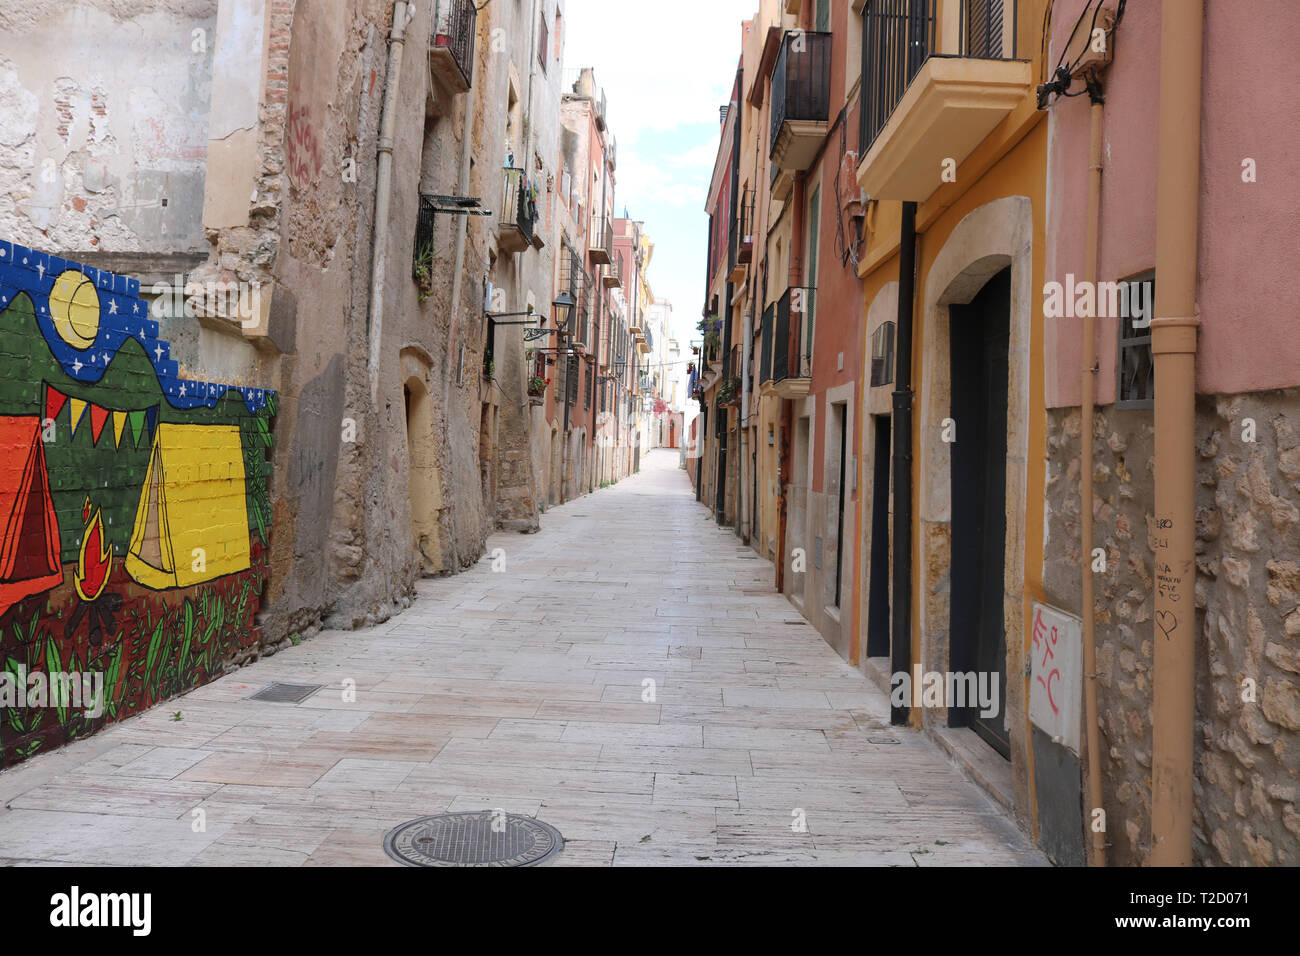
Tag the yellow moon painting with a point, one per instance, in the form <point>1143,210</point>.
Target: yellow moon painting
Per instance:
<point>74,307</point>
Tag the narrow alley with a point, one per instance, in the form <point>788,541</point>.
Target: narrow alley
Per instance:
<point>674,710</point>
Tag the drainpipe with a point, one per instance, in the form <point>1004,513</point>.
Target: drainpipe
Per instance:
<point>1173,347</point>
<point>1088,383</point>
<point>720,497</point>
<point>901,640</point>
<point>462,227</point>
<point>384,192</point>
<point>458,269</point>
<point>743,525</point>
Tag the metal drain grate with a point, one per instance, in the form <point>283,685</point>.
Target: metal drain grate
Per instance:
<point>286,693</point>
<point>482,838</point>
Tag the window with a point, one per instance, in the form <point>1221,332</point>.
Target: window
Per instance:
<point>543,42</point>
<point>983,28</point>
<point>882,354</point>
<point>1135,375</point>
<point>823,19</point>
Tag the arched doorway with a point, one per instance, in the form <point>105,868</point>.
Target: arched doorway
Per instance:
<point>424,482</point>
<point>974,401</point>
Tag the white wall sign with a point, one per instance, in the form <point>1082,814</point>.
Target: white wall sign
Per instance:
<point>1056,676</point>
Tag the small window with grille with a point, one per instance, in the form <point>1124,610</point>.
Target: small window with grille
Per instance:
<point>1136,372</point>
<point>882,354</point>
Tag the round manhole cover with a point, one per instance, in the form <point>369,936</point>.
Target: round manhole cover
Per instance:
<point>482,838</point>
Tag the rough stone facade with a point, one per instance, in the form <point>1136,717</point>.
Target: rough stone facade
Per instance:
<point>1248,619</point>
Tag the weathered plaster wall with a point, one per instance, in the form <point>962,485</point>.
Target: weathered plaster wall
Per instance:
<point>103,123</point>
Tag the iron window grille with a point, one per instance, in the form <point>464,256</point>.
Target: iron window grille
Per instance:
<point>422,253</point>
<point>1135,377</point>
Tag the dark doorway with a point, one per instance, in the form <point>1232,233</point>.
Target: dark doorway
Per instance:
<point>878,593</point>
<point>979,337</point>
<point>841,412</point>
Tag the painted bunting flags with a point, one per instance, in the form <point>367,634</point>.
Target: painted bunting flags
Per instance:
<point>142,422</point>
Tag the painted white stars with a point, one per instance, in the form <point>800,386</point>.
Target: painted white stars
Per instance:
<point>182,391</point>
<point>112,306</point>
<point>40,269</point>
<point>135,310</point>
<point>77,366</point>
<point>157,351</point>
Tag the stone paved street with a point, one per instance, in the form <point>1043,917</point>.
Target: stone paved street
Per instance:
<point>489,692</point>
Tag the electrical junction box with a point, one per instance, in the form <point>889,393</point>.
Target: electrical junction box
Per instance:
<point>1090,45</point>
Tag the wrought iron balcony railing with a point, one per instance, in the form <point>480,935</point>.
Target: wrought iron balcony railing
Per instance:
<point>791,353</point>
<point>801,81</point>
<point>765,349</point>
<point>601,243</point>
<point>518,212</point>
<point>451,47</point>
<point>898,36</point>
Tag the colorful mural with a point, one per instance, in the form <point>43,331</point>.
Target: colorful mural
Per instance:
<point>135,515</point>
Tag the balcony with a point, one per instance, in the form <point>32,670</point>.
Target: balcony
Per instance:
<point>518,213</point>
<point>791,352</point>
<point>451,48</point>
<point>745,230</point>
<point>601,247</point>
<point>575,281</point>
<point>801,86</point>
<point>926,103</point>
<point>768,331</point>
<point>612,277</point>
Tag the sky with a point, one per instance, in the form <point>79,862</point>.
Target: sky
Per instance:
<point>665,68</point>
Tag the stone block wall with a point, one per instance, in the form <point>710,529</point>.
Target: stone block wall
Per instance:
<point>1247,617</point>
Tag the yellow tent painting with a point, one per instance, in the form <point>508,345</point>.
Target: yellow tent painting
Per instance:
<point>192,522</point>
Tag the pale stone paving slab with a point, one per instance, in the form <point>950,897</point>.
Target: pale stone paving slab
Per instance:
<point>630,677</point>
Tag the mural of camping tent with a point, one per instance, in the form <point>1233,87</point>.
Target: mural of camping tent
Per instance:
<point>29,549</point>
<point>192,522</point>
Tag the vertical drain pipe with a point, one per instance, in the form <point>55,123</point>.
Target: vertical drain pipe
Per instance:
<point>901,642</point>
<point>1088,385</point>
<point>1173,347</point>
<point>384,192</point>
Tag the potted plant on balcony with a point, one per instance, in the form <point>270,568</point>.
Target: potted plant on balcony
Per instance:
<point>729,391</point>
<point>422,270</point>
<point>537,389</point>
<point>489,369</point>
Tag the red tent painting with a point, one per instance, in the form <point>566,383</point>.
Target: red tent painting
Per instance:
<point>29,548</point>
